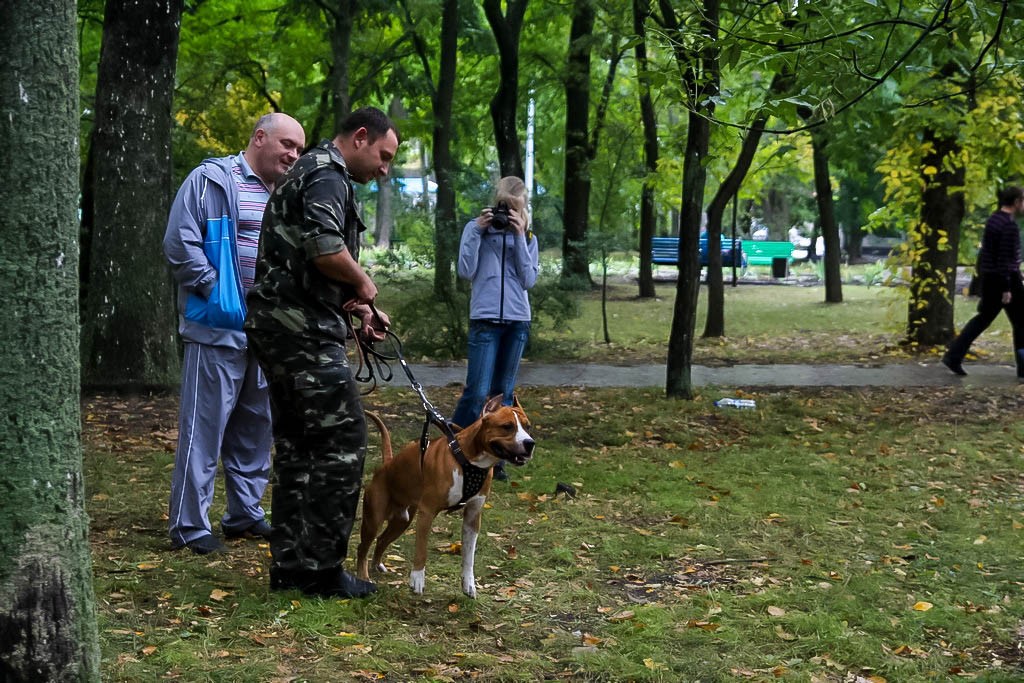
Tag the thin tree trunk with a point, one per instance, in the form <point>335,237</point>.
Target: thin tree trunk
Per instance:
<point>384,218</point>
<point>47,610</point>
<point>575,259</point>
<point>827,216</point>
<point>128,337</point>
<point>648,216</point>
<point>714,324</point>
<point>506,31</point>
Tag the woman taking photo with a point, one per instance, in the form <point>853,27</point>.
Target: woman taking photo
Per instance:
<point>498,254</point>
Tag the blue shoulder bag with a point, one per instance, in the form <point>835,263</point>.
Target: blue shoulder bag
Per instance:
<point>226,306</point>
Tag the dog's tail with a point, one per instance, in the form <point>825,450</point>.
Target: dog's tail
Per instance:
<point>385,436</point>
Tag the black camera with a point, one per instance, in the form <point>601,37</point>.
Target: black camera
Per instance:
<point>499,216</point>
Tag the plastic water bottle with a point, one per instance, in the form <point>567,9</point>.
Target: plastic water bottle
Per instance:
<point>741,403</point>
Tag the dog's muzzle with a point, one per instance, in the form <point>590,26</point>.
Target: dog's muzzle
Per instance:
<point>519,455</point>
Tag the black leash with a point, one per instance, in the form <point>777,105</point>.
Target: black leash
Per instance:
<point>376,361</point>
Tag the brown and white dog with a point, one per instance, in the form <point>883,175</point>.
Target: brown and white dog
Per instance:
<point>408,484</point>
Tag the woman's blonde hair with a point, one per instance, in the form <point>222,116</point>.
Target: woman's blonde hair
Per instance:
<point>512,191</point>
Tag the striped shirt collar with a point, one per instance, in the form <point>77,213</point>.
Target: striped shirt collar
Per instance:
<point>247,172</point>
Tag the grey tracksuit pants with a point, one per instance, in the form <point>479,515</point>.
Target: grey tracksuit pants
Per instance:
<point>225,416</point>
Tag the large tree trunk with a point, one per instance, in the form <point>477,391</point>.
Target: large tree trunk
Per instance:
<point>47,610</point>
<point>341,46</point>
<point>128,336</point>
<point>506,31</point>
<point>576,196</point>
<point>446,235</point>
<point>700,75</point>
<point>933,279</point>
<point>648,215</point>
<point>827,217</point>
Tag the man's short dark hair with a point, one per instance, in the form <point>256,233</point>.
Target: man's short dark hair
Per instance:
<point>372,119</point>
<point>1010,195</point>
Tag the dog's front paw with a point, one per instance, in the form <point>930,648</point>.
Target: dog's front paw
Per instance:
<point>469,586</point>
<point>416,580</point>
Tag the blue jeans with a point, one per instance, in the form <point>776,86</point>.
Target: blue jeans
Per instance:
<point>493,363</point>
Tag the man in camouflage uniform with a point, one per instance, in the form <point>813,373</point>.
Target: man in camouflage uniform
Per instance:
<point>307,277</point>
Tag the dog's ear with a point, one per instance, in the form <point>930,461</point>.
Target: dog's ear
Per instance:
<point>515,402</point>
<point>493,403</point>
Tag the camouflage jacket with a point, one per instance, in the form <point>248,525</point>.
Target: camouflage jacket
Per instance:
<point>312,212</point>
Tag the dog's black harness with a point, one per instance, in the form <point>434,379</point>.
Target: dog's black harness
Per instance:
<point>473,477</point>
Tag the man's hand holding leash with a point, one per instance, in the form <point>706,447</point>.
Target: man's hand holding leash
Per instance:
<point>374,324</point>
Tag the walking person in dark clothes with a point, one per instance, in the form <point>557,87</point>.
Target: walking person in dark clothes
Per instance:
<point>1001,289</point>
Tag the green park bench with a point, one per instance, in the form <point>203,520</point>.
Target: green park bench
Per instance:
<point>764,253</point>
<point>778,255</point>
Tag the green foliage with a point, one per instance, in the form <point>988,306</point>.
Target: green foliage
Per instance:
<point>993,155</point>
<point>429,327</point>
<point>434,328</point>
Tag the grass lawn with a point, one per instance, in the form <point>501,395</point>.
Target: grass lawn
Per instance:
<point>763,324</point>
<point>827,536</point>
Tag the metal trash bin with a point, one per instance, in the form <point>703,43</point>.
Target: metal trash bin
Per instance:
<point>780,266</point>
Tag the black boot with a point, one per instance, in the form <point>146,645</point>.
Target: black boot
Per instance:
<point>324,583</point>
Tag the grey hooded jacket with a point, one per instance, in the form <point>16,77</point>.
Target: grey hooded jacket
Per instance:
<point>502,266</point>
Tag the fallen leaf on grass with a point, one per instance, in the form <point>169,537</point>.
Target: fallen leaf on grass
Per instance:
<point>922,606</point>
<point>148,650</point>
<point>653,665</point>
<point>703,625</point>
<point>776,611</point>
<point>907,651</point>
<point>217,595</point>
<point>784,634</point>
<point>624,615</point>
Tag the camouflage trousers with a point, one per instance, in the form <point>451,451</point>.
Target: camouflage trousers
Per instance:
<point>320,444</point>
